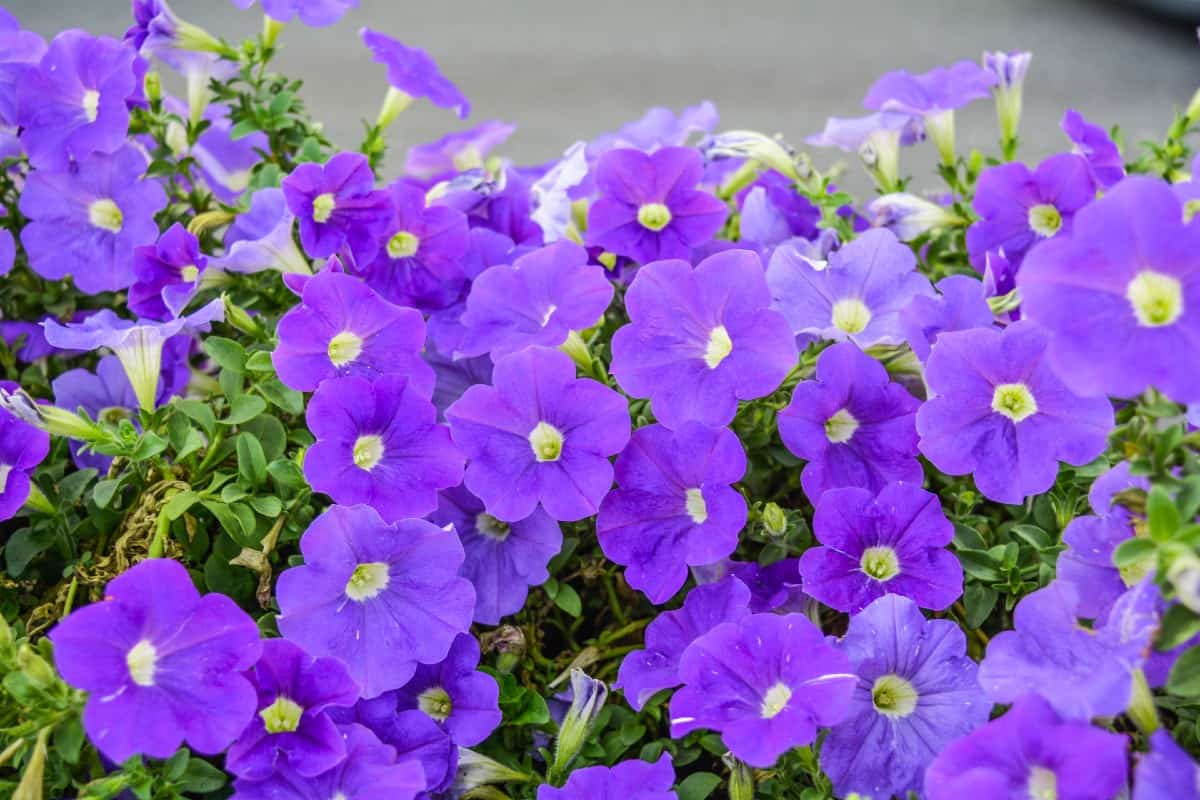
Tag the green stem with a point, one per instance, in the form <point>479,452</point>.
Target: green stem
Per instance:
<point>161,527</point>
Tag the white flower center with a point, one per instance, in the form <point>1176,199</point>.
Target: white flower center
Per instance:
<point>654,216</point>
<point>368,580</point>
<point>344,348</point>
<point>546,441</point>
<point>189,274</point>
<point>368,451</point>
<point>893,696</point>
<point>282,716</point>
<point>403,245</point>
<point>1014,400</point>
<point>851,315</point>
<point>492,528</point>
<point>1043,784</point>
<point>91,104</point>
<point>880,562</point>
<point>1045,220</point>
<point>435,702</point>
<point>142,661</point>
<point>775,700</point>
<point>697,509</point>
<point>106,215</point>
<point>840,427</point>
<point>323,206</point>
<point>719,347</point>
<point>1157,299</point>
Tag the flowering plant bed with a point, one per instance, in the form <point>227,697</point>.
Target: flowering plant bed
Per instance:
<point>665,470</point>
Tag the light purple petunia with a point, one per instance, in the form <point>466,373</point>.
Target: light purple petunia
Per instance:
<point>503,559</point>
<point>105,395</point>
<point>73,104</point>
<point>414,738</point>
<point>916,692</point>
<point>382,598</point>
<point>261,238</point>
<point>649,206</point>
<point>341,327</point>
<point>700,340</point>
<point>876,137</point>
<point>414,73</point>
<point>315,13</point>
<point>961,305</point>
<point>745,680</point>
<point>20,52</point>
<point>1167,772</point>
<point>337,205</point>
<point>162,665</point>
<point>22,448</point>
<point>674,505</point>
<point>539,435</point>
<point>872,545</point>
<point>1120,297</point>
<point>628,780</point>
<point>1031,752</point>
<point>1019,207</point>
<point>86,222</point>
<point>455,376</point>
<point>645,672</point>
<point>291,730</point>
<point>1101,153</point>
<point>167,274</point>
<point>858,296</point>
<point>997,410</point>
<point>379,443</point>
<point>658,127</point>
<point>852,425</point>
<point>772,211</point>
<point>456,151</point>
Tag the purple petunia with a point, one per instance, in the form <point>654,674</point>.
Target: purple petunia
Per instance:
<point>105,395</point>
<point>998,410</point>
<point>379,443</point>
<point>649,206</point>
<point>457,151</point>
<point>414,74</point>
<point>503,559</point>
<point>744,680</point>
<point>85,222</point>
<point>1167,772</point>
<point>1101,153</point>
<point>20,52</point>
<point>22,448</point>
<point>538,300</point>
<point>960,306</point>
<point>674,505</point>
<point>858,296</point>
<point>916,692</point>
<point>291,730</point>
<point>1030,752</point>
<point>315,13</point>
<point>261,238</point>
<point>872,545</point>
<point>162,665</point>
<point>167,274</point>
<point>773,211</point>
<point>852,425</point>
<point>337,205</point>
<point>700,340</point>
<point>628,780</point>
<point>539,435</point>
<point>1120,296</point>
<point>658,127</point>
<point>382,598</point>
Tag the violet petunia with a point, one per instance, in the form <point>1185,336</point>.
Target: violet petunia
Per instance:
<point>452,377</point>
<point>658,127</point>
<point>628,780</point>
<point>700,340</point>
<point>674,505</point>
<point>873,545</point>
<point>162,665</point>
<point>105,395</point>
<point>414,74</point>
<point>852,425</point>
<point>1167,772</point>
<point>315,13</point>
<point>20,52</point>
<point>457,151</point>
<point>773,211</point>
<point>539,435</point>
<point>382,598</point>
<point>337,205</point>
<point>167,274</point>
<point>997,410</point>
<point>22,448</point>
<point>960,306</point>
<point>261,238</point>
<point>1101,153</point>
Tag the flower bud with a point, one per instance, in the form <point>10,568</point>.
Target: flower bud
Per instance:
<point>1009,69</point>
<point>508,642</point>
<point>909,216</point>
<point>55,421</point>
<point>764,149</point>
<point>1184,576</point>
<point>33,778</point>
<point>741,779</point>
<point>152,86</point>
<point>35,668</point>
<point>774,519</point>
<point>587,699</point>
<point>236,316</point>
<point>476,769</point>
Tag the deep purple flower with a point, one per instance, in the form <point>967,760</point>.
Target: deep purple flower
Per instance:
<point>167,274</point>
<point>916,693</point>
<point>162,664</point>
<point>1101,153</point>
<point>773,587</point>
<point>746,680</point>
<point>73,104</point>
<point>457,151</point>
<point>772,211</point>
<point>413,72</point>
<point>261,238</point>
<point>628,780</point>
<point>645,672</point>
<point>379,443</point>
<point>997,410</point>
<point>342,327</point>
<point>538,300</point>
<point>1019,207</point>
<point>86,222</point>
<point>382,598</point>
<point>539,435</point>
<point>1120,297</point>
<point>674,505</point>
<point>315,13</point>
<point>873,545</point>
<point>22,448</point>
<point>960,306</point>
<point>503,559</point>
<point>455,376</point>
<point>649,206</point>
<point>337,204</point>
<point>1030,752</point>
<point>1167,772</point>
<point>852,425</point>
<point>291,730</point>
<point>858,296</point>
<point>700,340</point>
<point>414,738</point>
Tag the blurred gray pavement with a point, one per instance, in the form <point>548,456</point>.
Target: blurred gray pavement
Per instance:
<point>569,70</point>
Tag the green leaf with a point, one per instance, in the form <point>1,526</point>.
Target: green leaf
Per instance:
<point>1033,536</point>
<point>150,445</point>
<point>243,409</point>
<point>103,491</point>
<point>201,777</point>
<point>979,601</point>
<point>1162,514</point>
<point>173,509</point>
<point>232,383</point>
<point>1179,625</point>
<point>231,523</point>
<point>568,600</point>
<point>287,474</point>
<point>252,463</point>
<point>200,413</point>
<point>1133,550</point>
<point>287,399</point>
<point>1184,680</point>
<point>966,538</point>
<point>979,564</point>
<point>268,506</point>
<point>226,352</point>
<point>243,129</point>
<point>270,434</point>
<point>260,361</point>
<point>23,546</point>
<point>174,766</point>
<point>280,104</point>
<point>72,487</point>
<point>68,740</point>
<point>698,786</point>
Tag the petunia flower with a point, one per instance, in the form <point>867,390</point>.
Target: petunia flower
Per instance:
<point>1099,151</point>
<point>745,679</point>
<point>503,559</point>
<point>538,300</point>
<point>1009,89</point>
<point>997,410</point>
<point>314,13</point>
<point>337,205</point>
<point>161,664</point>
<point>22,448</point>
<point>858,296</point>
<point>674,505</point>
<point>261,238</point>
<point>700,340</point>
<point>554,207</point>
<point>645,672</point>
<point>872,545</point>
<point>909,216</point>
<point>876,138</point>
<point>1120,297</point>
<point>343,328</point>
<point>628,780</point>
<point>852,425</point>
<point>960,306</point>
<point>539,435</point>
<point>167,274</point>
<point>105,395</point>
<point>382,598</point>
<point>658,127</point>
<point>20,52</point>
<point>1030,752</point>
<point>457,151</point>
<point>455,376</point>
<point>291,730</point>
<point>1167,772</point>
<point>649,206</point>
<point>773,211</point>
<point>413,75</point>
<point>379,443</point>
<point>86,222</point>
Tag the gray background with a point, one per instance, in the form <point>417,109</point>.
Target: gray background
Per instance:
<point>565,70</point>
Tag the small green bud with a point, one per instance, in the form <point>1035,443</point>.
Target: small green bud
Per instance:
<point>35,668</point>
<point>152,85</point>
<point>774,519</point>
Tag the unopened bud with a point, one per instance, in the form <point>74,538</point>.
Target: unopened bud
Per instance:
<point>774,519</point>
